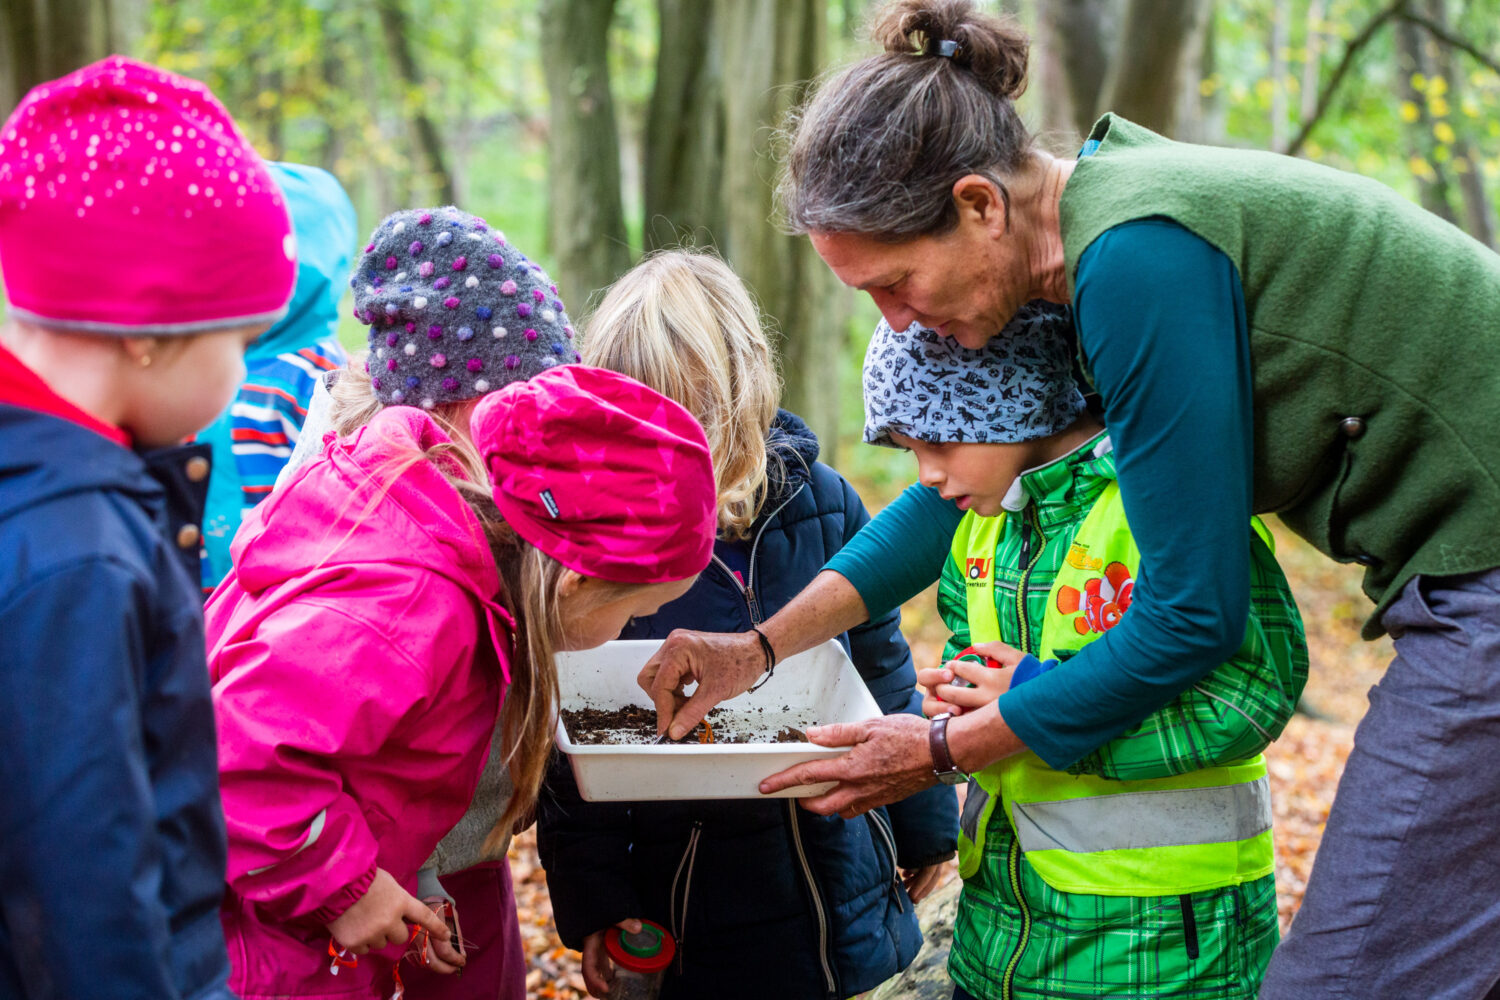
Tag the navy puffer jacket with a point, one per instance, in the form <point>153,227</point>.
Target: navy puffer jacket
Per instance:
<point>765,898</point>
<point>111,834</point>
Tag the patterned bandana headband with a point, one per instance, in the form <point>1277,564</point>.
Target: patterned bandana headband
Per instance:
<point>1018,387</point>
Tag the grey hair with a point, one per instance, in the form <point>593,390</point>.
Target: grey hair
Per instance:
<point>877,148</point>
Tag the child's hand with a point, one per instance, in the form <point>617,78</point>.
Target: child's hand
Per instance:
<point>598,970</point>
<point>441,953</point>
<point>380,917</point>
<point>962,685</point>
<point>921,881</point>
<point>968,682</point>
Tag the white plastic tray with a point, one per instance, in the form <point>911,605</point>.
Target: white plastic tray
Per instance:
<point>817,687</point>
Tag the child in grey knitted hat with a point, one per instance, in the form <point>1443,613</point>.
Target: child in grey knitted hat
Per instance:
<point>454,309</point>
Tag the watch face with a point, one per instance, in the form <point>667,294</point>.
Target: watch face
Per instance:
<point>953,777</point>
<point>944,715</point>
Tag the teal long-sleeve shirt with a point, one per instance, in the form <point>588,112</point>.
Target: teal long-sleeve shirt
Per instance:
<point>1163,331</point>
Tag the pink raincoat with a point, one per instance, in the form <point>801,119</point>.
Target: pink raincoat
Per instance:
<point>358,660</point>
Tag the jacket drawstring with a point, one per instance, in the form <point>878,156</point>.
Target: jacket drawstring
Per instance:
<point>689,856</point>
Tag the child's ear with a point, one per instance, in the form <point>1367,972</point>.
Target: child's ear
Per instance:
<point>571,583</point>
<point>139,350</point>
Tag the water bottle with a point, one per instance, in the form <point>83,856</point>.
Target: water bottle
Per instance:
<point>641,960</point>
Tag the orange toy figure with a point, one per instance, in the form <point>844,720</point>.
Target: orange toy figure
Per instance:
<point>1104,600</point>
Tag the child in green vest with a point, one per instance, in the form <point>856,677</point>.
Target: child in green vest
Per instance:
<point>1146,869</point>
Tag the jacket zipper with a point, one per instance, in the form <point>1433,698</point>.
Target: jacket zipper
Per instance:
<point>817,899</point>
<point>1013,867</point>
<point>751,601</point>
<point>1028,563</point>
<point>747,589</point>
<point>879,823</point>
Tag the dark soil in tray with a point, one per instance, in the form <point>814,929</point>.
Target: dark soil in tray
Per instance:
<point>635,724</point>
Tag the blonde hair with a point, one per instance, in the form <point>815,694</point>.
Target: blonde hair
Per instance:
<point>531,582</point>
<point>684,324</point>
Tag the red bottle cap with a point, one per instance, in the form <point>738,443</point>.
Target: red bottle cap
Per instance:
<point>651,950</point>
<point>971,651</point>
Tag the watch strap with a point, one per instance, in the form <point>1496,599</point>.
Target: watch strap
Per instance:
<point>937,742</point>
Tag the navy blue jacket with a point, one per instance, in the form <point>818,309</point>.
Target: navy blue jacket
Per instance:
<point>111,833</point>
<point>766,899</point>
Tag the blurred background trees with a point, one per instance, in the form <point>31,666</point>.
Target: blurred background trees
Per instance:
<point>595,130</point>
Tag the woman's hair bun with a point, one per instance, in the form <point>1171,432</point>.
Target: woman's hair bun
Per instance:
<point>994,49</point>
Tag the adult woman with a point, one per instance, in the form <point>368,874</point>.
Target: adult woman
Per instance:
<point>1328,342</point>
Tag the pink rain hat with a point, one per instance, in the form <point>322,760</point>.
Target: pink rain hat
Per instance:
<point>131,204</point>
<point>603,474</point>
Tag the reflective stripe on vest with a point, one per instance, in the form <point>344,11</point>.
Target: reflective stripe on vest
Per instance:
<point>1171,817</point>
<point>1081,833</point>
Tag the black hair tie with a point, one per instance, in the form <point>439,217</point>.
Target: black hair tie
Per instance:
<point>770,654</point>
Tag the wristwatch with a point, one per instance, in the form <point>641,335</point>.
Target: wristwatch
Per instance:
<point>942,761</point>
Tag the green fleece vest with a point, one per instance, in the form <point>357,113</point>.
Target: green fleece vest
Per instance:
<point>1374,343</point>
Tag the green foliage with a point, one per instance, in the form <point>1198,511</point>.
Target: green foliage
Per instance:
<point>314,81</point>
<point>1367,128</point>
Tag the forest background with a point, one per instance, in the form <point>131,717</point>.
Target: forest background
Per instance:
<point>593,131</point>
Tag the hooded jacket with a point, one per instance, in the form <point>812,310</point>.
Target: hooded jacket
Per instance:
<point>791,904</point>
<point>357,654</point>
<point>254,437</point>
<point>112,866</point>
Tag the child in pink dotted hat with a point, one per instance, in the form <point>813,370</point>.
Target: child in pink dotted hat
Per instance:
<point>113,863</point>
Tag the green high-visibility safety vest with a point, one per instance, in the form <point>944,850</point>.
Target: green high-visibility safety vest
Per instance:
<point>1155,837</point>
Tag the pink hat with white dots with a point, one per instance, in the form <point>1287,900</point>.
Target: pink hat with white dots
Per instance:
<point>144,174</point>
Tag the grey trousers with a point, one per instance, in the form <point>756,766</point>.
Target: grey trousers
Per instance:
<point>1404,899</point>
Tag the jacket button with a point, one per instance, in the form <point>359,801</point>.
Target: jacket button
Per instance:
<point>196,469</point>
<point>188,536</point>
<point>1352,427</point>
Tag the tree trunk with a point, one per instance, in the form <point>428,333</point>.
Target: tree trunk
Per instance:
<point>1479,218</point>
<point>1280,40</point>
<point>331,149</point>
<point>1432,182</point>
<point>41,40</point>
<point>1312,62</point>
<point>272,121</point>
<point>429,143</point>
<point>1199,115</point>
<point>1073,61</point>
<point>466,49</point>
<point>586,221</point>
<point>771,49</point>
<point>1144,79</point>
<point>685,130</point>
